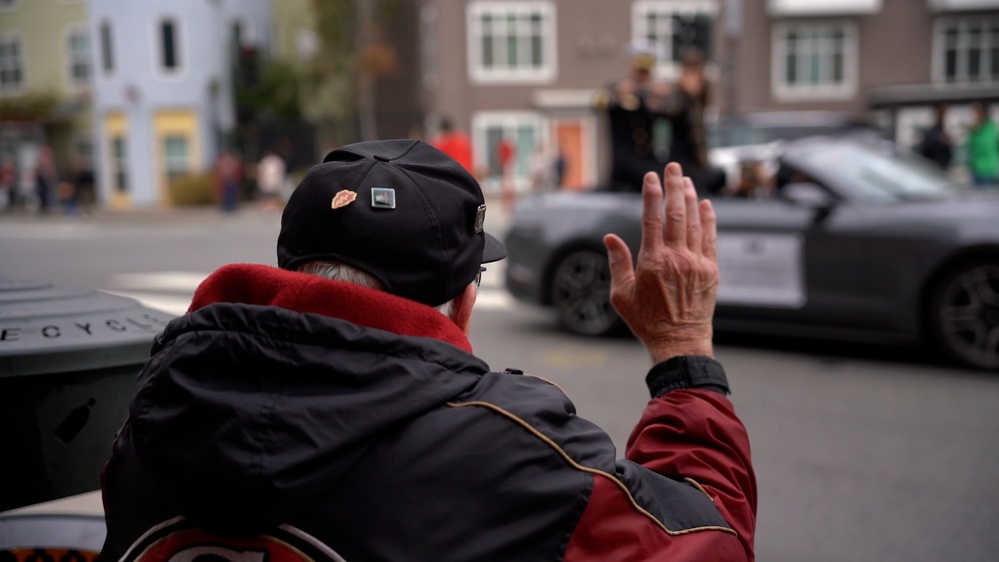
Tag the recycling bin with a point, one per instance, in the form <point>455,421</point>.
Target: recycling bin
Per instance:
<point>68,361</point>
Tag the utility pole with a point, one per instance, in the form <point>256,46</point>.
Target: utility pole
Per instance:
<point>733,28</point>
<point>365,75</point>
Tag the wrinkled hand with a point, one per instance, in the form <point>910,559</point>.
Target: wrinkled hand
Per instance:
<point>668,297</point>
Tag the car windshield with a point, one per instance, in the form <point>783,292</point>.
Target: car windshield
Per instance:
<point>870,174</point>
<point>735,134</point>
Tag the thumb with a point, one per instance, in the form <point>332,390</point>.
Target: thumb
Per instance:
<point>618,258</point>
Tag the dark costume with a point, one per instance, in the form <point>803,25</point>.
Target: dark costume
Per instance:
<point>287,409</point>
<point>935,146</point>
<point>688,141</point>
<point>631,119</point>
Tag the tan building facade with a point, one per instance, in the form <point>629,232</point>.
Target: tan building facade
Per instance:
<point>524,72</point>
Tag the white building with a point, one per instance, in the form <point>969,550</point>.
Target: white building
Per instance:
<point>162,88</point>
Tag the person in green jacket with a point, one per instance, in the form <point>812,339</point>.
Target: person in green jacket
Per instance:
<point>983,146</point>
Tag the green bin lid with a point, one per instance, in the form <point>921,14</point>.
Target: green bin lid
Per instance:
<point>44,329</point>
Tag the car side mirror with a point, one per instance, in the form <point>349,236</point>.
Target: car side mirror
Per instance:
<point>808,194</point>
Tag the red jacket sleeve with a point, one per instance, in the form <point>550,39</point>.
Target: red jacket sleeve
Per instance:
<point>686,490</point>
<point>695,433</point>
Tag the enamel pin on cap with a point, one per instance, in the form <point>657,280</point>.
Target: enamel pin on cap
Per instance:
<point>343,198</point>
<point>383,198</point>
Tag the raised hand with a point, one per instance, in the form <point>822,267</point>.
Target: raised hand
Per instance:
<point>668,297</point>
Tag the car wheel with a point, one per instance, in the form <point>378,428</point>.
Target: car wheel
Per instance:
<point>965,314</point>
<point>581,294</point>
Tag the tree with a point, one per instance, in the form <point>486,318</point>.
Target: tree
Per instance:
<point>267,89</point>
<point>354,53</point>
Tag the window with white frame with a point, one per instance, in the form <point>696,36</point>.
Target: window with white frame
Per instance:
<point>674,26</point>
<point>967,49</point>
<point>238,40</point>
<point>511,41</point>
<point>119,164</point>
<point>506,136</point>
<point>78,47</point>
<point>175,156</point>
<point>11,64</point>
<point>83,149</point>
<point>814,60</point>
<point>107,47</point>
<point>168,32</point>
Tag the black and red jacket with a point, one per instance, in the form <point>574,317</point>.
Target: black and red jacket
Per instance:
<point>294,417</point>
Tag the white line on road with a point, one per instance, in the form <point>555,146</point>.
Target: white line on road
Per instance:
<point>176,305</point>
<point>160,281</point>
<point>171,291</point>
<point>170,304</point>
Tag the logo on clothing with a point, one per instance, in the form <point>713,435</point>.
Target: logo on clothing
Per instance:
<point>177,540</point>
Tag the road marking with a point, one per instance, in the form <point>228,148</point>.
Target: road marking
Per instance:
<point>492,299</point>
<point>174,305</point>
<point>186,281</point>
<point>31,231</point>
<point>572,358</point>
<point>172,291</point>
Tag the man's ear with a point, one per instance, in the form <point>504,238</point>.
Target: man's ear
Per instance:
<point>461,313</point>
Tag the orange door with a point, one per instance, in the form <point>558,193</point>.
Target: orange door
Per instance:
<point>570,143</point>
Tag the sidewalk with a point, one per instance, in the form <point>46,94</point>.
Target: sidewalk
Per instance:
<point>496,216</point>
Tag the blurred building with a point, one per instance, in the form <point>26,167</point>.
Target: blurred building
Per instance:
<point>45,88</point>
<point>145,90</point>
<point>163,85</point>
<point>526,71</point>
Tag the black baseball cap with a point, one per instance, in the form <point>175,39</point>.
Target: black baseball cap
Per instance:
<point>400,210</point>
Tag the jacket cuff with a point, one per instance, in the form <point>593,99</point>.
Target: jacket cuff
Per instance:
<point>687,371</point>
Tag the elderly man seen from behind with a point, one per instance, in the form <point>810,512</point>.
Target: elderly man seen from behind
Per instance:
<point>332,408</point>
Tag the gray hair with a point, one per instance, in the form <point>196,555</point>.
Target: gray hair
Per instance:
<point>339,271</point>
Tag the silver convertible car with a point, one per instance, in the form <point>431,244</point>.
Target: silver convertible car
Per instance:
<point>854,244</point>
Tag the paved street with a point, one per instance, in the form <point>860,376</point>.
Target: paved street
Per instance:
<point>861,453</point>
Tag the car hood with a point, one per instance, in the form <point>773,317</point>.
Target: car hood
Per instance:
<point>967,215</point>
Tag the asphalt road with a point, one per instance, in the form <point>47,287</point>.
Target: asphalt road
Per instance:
<point>861,453</point>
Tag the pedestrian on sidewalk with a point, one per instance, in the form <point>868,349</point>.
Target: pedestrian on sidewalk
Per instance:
<point>983,146</point>
<point>271,173</point>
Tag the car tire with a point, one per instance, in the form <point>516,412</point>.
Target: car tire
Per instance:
<point>964,314</point>
<point>580,289</point>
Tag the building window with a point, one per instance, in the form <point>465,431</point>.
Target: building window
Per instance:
<point>175,156</point>
<point>119,164</point>
<point>814,60</point>
<point>967,49</point>
<point>674,27</point>
<point>83,150</point>
<point>511,41</point>
<point>107,48</point>
<point>11,64</point>
<point>237,35</point>
<point>78,45</point>
<point>512,137</point>
<point>169,34</point>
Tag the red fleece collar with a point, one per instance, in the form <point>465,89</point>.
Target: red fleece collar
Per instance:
<point>270,286</point>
